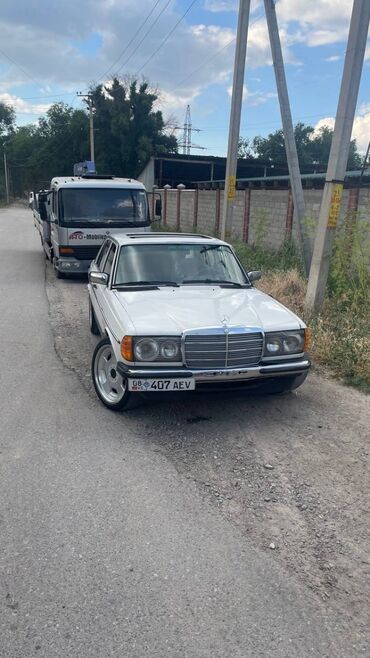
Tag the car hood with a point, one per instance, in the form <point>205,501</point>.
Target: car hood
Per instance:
<point>174,310</point>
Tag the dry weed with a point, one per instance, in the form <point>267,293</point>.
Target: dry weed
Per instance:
<point>341,333</point>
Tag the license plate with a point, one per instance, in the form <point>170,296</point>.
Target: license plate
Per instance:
<point>155,385</point>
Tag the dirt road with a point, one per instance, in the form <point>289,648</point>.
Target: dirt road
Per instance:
<point>292,473</point>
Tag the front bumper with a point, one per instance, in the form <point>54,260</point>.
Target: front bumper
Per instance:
<point>72,265</point>
<point>221,375</point>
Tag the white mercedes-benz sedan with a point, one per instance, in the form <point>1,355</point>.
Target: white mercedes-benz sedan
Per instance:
<point>178,312</point>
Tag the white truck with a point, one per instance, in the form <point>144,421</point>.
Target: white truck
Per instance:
<point>77,212</point>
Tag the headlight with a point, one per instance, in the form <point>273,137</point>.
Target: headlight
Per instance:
<point>146,349</point>
<point>169,349</point>
<point>157,348</point>
<point>284,342</point>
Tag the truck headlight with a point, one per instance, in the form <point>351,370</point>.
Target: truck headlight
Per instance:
<point>284,342</point>
<point>153,348</point>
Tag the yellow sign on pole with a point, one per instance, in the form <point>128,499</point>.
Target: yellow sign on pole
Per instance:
<point>231,185</point>
<point>335,203</point>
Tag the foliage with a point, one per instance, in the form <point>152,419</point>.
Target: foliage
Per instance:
<point>36,153</point>
<point>313,147</point>
<point>341,332</point>
<point>128,130</point>
<point>7,120</point>
<point>245,148</point>
<point>255,257</point>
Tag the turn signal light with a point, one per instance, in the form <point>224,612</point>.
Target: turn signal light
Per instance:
<point>307,339</point>
<point>127,348</point>
<point>65,250</point>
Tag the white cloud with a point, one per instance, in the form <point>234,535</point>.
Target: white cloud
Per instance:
<point>361,126</point>
<point>218,6</point>
<point>333,58</point>
<point>254,97</point>
<point>46,46</point>
<point>327,122</point>
<point>320,22</point>
<point>22,106</point>
<point>51,46</point>
<point>172,102</point>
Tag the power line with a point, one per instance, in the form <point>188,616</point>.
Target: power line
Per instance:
<point>145,35</point>
<point>34,98</point>
<point>210,59</point>
<point>19,67</point>
<point>131,41</point>
<point>164,41</point>
<point>204,64</point>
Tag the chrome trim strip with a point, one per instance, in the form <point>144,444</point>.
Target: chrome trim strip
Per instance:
<point>214,331</point>
<point>220,374</point>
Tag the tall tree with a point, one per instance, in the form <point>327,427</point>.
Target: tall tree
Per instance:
<point>37,153</point>
<point>245,148</point>
<point>7,120</point>
<point>313,147</point>
<point>129,130</point>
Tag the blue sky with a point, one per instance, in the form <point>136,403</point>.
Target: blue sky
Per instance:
<point>52,49</point>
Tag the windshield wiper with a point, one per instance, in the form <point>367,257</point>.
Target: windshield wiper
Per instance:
<point>172,284</point>
<point>210,247</point>
<point>221,282</point>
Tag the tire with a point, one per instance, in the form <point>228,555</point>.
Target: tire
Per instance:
<point>284,384</point>
<point>92,321</point>
<point>110,387</point>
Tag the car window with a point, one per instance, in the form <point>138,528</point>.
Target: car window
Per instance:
<point>180,263</point>
<point>55,204</point>
<point>109,260</point>
<point>102,253</point>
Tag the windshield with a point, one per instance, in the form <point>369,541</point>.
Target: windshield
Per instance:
<point>178,264</point>
<point>103,207</point>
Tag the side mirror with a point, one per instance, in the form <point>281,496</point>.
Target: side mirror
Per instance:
<point>158,208</point>
<point>99,277</point>
<point>255,275</point>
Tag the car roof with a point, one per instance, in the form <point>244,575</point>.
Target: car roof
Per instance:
<point>164,238</point>
<point>90,181</point>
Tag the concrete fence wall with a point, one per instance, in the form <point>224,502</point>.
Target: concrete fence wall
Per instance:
<point>261,216</point>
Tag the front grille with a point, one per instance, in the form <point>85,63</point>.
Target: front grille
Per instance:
<point>223,350</point>
<point>85,252</point>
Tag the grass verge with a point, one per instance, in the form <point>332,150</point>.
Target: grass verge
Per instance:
<point>341,332</point>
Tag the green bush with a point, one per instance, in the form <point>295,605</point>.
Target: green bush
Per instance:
<point>254,257</point>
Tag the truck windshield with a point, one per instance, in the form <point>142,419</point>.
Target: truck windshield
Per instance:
<point>103,207</point>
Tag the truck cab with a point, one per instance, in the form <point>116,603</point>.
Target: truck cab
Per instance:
<point>83,210</point>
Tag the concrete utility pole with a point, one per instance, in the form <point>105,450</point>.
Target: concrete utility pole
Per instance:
<point>90,104</point>
<point>289,138</point>
<point>6,178</point>
<point>332,194</point>
<point>235,112</point>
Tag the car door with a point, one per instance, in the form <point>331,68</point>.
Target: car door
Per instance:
<point>53,222</point>
<point>95,288</point>
<point>103,292</point>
